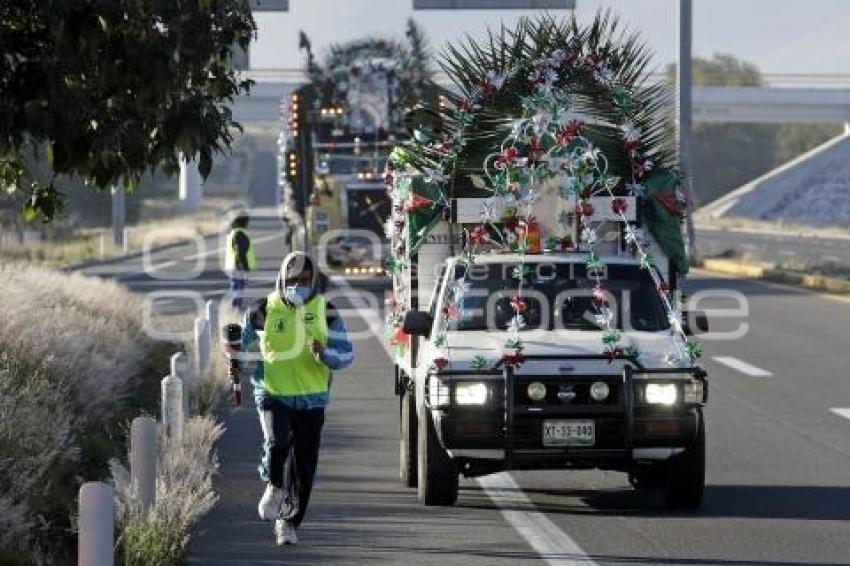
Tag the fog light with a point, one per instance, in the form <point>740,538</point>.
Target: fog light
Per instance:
<point>470,393</point>
<point>536,391</point>
<point>661,393</point>
<point>599,391</point>
<point>693,392</point>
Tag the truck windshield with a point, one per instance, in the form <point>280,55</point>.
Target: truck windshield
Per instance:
<point>557,296</point>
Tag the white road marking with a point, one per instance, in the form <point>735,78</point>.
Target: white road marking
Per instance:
<point>742,366</point>
<point>842,412</point>
<point>551,543</point>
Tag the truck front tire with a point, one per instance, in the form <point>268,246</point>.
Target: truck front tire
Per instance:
<point>438,478</point>
<point>408,440</point>
<point>684,483</point>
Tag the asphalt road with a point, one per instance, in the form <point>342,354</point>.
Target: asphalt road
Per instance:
<point>778,455</point>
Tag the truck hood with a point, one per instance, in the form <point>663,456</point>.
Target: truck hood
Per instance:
<point>653,346</point>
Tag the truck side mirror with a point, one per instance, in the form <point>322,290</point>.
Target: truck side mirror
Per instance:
<point>417,323</point>
<point>694,322</point>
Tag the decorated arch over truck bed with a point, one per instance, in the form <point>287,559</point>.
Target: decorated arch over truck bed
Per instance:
<point>548,112</point>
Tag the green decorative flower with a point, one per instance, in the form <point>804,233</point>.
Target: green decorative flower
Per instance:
<point>631,353</point>
<point>646,261</point>
<point>479,363</point>
<point>440,340</point>
<point>611,337</point>
<point>521,271</point>
<point>694,350</point>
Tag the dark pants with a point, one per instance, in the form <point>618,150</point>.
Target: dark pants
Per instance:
<point>290,454</point>
<point>237,287</point>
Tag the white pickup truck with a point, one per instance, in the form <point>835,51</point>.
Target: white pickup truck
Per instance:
<point>567,405</point>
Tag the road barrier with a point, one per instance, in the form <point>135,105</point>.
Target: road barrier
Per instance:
<point>211,312</point>
<point>143,460</point>
<point>172,408</point>
<point>202,346</point>
<point>96,525</point>
<point>180,368</point>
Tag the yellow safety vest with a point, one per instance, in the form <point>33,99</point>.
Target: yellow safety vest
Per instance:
<point>230,252</point>
<point>289,367</point>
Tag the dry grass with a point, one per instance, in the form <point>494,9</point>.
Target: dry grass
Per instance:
<point>74,363</point>
<point>184,494</point>
<point>75,367</point>
<point>161,227</point>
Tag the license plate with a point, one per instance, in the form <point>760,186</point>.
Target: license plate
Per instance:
<point>569,433</point>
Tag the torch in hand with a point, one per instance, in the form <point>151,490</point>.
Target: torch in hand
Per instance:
<point>231,335</point>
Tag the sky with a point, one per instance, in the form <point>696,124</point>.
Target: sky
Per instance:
<point>779,36</point>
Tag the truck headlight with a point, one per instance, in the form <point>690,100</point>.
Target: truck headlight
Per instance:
<point>470,393</point>
<point>661,393</point>
<point>599,391</point>
<point>536,391</point>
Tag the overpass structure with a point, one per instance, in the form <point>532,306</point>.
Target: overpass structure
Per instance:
<point>782,102</point>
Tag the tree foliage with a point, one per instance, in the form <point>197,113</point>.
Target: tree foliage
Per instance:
<point>108,90</point>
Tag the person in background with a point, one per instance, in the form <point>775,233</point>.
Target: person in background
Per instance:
<point>301,339</point>
<point>239,259</point>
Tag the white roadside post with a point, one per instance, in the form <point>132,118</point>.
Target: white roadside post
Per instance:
<point>119,216</point>
<point>190,185</point>
<point>96,525</point>
<point>202,346</point>
<point>212,322</point>
<point>172,408</point>
<point>143,460</point>
<point>180,369</point>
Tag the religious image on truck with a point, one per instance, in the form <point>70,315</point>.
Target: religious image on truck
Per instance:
<point>342,125</point>
<point>537,254</point>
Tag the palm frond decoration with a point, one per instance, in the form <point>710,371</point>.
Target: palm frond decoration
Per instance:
<point>599,72</point>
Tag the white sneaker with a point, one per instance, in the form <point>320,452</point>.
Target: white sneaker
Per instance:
<point>284,532</point>
<point>269,505</point>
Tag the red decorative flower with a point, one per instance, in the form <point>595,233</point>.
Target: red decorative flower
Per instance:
<point>512,360</point>
<point>487,88</point>
<point>569,132</point>
<point>415,202</point>
<point>464,105</point>
<point>619,205</point>
<point>641,166</point>
<point>612,354</point>
<point>441,363</point>
<point>600,295</point>
<point>511,223</point>
<point>400,337</point>
<point>450,311</point>
<point>584,209</point>
<point>595,61</point>
<point>663,287</point>
<point>507,157</point>
<point>518,304</point>
<point>388,178</point>
<point>399,225</point>
<point>478,236</point>
<point>632,146</point>
<point>566,243</point>
<point>535,150</point>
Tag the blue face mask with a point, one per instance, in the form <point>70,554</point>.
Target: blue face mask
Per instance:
<point>296,294</point>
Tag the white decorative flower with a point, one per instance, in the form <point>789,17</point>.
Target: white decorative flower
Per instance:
<point>589,235</point>
<point>516,323</point>
<point>631,132</point>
